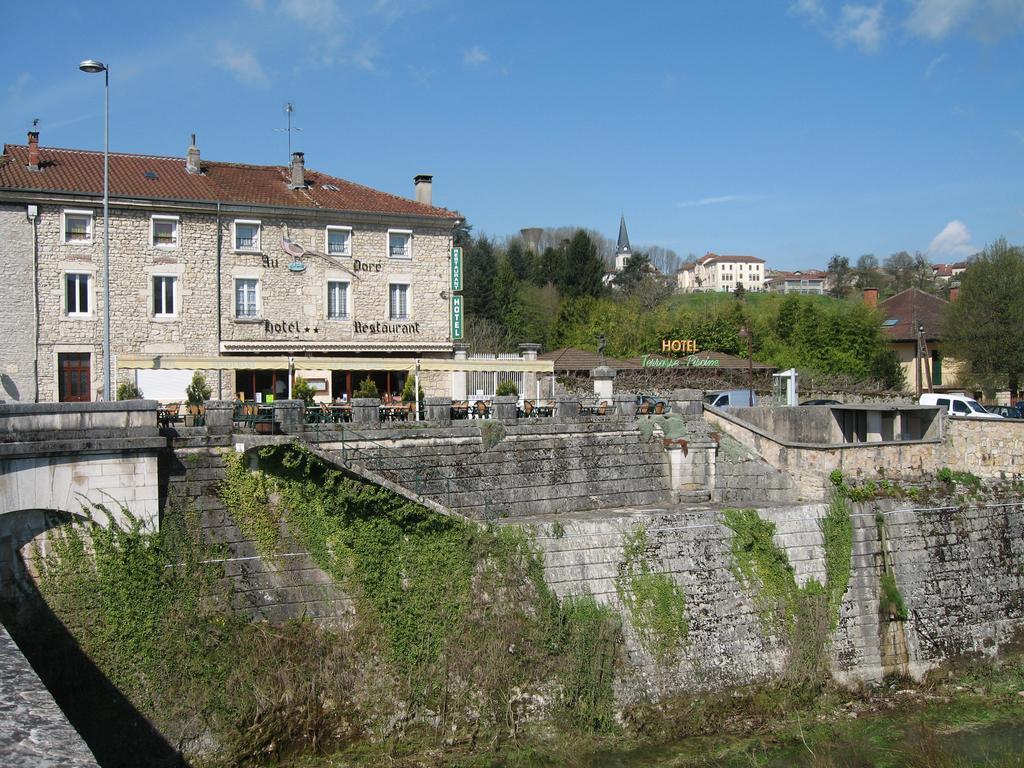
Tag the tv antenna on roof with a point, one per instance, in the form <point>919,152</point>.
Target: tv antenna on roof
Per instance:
<point>289,107</point>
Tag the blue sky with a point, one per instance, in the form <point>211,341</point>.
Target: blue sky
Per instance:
<point>789,130</point>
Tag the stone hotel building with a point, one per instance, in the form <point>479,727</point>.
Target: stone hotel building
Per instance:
<point>236,270</point>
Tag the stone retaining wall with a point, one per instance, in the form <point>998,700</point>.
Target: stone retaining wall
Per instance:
<point>990,448</point>
<point>287,587</point>
<point>959,571</point>
<point>530,468</point>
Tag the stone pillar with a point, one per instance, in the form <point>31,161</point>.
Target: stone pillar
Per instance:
<point>439,410</point>
<point>687,403</point>
<point>528,352</point>
<point>603,376</point>
<point>691,469</point>
<point>566,408</point>
<point>624,405</point>
<point>366,410</point>
<point>505,407</point>
<point>459,377</point>
<point>219,415</point>
<point>290,416</point>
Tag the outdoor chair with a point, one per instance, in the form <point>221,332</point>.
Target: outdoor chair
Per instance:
<point>198,414</point>
<point>643,409</point>
<point>659,408</point>
<point>528,408</point>
<point>602,409</point>
<point>482,411</point>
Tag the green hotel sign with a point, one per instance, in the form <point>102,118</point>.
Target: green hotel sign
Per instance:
<point>456,316</point>
<point>456,268</point>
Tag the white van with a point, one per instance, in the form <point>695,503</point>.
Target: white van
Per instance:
<point>958,405</point>
<point>731,398</point>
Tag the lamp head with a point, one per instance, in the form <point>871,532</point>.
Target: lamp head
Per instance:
<point>92,66</point>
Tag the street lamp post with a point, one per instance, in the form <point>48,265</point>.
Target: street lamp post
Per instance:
<point>95,67</point>
<point>746,334</point>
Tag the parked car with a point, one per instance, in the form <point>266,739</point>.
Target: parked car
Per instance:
<point>1006,411</point>
<point>957,405</point>
<point>731,398</point>
<point>823,401</point>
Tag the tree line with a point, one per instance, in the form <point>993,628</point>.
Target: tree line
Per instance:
<point>558,297</point>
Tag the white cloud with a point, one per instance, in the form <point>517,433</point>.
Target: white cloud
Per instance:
<point>933,65</point>
<point>810,8</point>
<point>711,201</point>
<point>241,63</point>
<point>953,242</point>
<point>312,13</point>
<point>935,19</point>
<point>860,25</point>
<point>365,56</point>
<point>475,56</point>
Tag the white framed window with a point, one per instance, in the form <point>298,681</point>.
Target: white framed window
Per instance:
<point>78,294</point>
<point>247,235</point>
<point>338,241</point>
<point>163,231</point>
<point>165,296</point>
<point>399,307</point>
<point>77,226</point>
<point>337,300</point>
<point>400,243</point>
<point>247,297</point>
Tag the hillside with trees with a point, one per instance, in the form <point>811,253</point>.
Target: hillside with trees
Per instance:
<point>557,298</point>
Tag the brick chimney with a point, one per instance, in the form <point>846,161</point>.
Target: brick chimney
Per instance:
<point>954,292</point>
<point>423,184</point>
<point>298,171</point>
<point>33,150</point>
<point>192,158</point>
<point>871,297</point>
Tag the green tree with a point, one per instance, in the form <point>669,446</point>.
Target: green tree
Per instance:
<point>636,269</point>
<point>302,390</point>
<point>480,264</point>
<point>506,297</point>
<point>198,391</point>
<point>900,268</point>
<point>840,276</point>
<point>518,259</point>
<point>984,327</point>
<point>582,272</point>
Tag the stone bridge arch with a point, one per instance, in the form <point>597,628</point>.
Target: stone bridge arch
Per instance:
<point>18,529</point>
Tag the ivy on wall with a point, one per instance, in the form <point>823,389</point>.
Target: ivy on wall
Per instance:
<point>806,616</point>
<point>655,602</point>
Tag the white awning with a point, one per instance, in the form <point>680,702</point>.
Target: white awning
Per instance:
<point>227,363</point>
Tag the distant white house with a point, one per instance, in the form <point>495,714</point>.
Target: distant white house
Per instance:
<point>713,272</point>
<point>812,281</point>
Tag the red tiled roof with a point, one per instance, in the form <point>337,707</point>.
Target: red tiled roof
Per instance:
<point>81,172</point>
<point>709,257</point>
<point>573,359</point>
<point>903,312</point>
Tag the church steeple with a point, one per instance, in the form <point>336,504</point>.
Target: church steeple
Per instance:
<point>623,245</point>
<point>623,252</point>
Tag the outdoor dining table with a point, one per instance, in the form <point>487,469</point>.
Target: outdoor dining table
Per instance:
<point>166,414</point>
<point>340,413</point>
<point>394,412</point>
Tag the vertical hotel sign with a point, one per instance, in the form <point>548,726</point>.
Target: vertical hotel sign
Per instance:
<point>456,288</point>
<point>456,316</point>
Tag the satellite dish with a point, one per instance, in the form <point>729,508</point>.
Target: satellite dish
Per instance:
<point>292,248</point>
